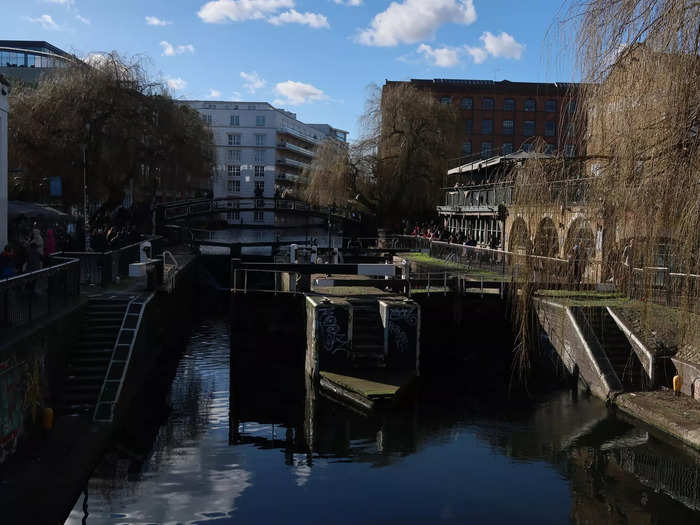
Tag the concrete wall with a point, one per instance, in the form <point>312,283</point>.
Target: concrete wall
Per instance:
<point>31,368</point>
<point>401,319</point>
<point>4,110</point>
<point>328,334</point>
<point>578,353</point>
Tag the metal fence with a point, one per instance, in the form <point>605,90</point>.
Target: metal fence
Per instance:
<point>31,296</point>
<point>102,268</point>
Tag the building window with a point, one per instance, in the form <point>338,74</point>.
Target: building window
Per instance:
<point>260,120</point>
<point>467,148</point>
<point>234,154</point>
<point>530,105</point>
<point>550,129</point>
<point>508,104</point>
<point>508,127</point>
<point>527,147</point>
<point>251,106</point>
<point>486,126</point>
<point>259,171</point>
<point>259,187</point>
<point>259,155</point>
<point>207,119</point>
<point>467,103</point>
<point>529,128</point>
<point>259,216</point>
<point>234,186</point>
<point>259,140</point>
<point>445,100</point>
<point>550,105</point>
<point>487,103</point>
<point>549,149</point>
<point>469,126</point>
<point>234,170</point>
<point>234,139</point>
<point>569,150</point>
<point>486,149</point>
<point>235,120</point>
<point>507,148</point>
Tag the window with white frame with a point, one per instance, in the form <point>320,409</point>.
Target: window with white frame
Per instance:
<point>234,170</point>
<point>234,154</point>
<point>528,128</point>
<point>259,139</point>
<point>259,186</point>
<point>487,103</point>
<point>530,105</point>
<point>259,216</point>
<point>259,155</point>
<point>260,120</point>
<point>233,186</point>
<point>234,139</point>
<point>467,103</point>
<point>550,128</point>
<point>508,127</point>
<point>235,120</point>
<point>259,171</point>
<point>508,104</point>
<point>232,214</point>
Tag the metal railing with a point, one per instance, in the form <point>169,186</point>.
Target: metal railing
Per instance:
<point>102,268</point>
<point>31,296</point>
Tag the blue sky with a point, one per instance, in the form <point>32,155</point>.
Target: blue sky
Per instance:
<point>314,57</point>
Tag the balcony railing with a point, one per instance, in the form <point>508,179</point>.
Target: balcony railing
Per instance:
<point>294,147</point>
<point>291,162</point>
<point>299,134</point>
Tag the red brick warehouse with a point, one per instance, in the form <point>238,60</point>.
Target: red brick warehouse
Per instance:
<point>502,117</point>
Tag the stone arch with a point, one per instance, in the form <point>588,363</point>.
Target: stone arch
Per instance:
<point>547,238</point>
<point>580,231</point>
<point>519,238</point>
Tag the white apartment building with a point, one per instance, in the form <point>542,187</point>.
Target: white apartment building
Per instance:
<point>4,109</point>
<point>259,151</point>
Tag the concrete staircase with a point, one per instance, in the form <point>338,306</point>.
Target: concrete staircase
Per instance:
<point>367,335</point>
<point>618,349</point>
<point>88,362</point>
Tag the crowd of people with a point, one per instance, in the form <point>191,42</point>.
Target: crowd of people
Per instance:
<point>433,232</point>
<point>113,237</point>
<point>31,252</point>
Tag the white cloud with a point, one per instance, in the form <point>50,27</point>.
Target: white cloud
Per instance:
<point>84,20</point>
<point>176,84</point>
<point>155,21</point>
<point>295,17</point>
<point>169,50</point>
<point>296,93</point>
<point>441,57</point>
<point>67,3</point>
<point>503,45</point>
<point>348,2</point>
<point>46,22</point>
<point>477,53</point>
<point>414,20</point>
<point>236,95</point>
<point>220,11</point>
<point>214,93</point>
<point>253,82</point>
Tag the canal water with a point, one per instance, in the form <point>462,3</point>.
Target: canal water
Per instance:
<point>206,447</point>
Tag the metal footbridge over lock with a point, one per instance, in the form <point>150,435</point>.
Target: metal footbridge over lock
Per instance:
<point>170,212</point>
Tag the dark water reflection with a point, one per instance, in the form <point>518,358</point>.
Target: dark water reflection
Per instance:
<point>199,454</point>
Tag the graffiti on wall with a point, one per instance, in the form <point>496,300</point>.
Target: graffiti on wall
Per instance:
<point>402,328</point>
<point>333,328</point>
<point>12,394</point>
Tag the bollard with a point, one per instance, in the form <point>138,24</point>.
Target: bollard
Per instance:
<point>47,419</point>
<point>677,384</point>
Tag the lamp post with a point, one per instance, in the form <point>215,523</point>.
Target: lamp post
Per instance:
<point>86,221</point>
<point>331,210</point>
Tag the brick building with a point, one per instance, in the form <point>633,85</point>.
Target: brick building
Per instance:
<point>503,117</point>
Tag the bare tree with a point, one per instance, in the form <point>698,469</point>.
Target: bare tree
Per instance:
<point>130,128</point>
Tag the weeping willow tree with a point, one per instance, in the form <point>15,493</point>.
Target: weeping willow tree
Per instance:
<point>634,177</point>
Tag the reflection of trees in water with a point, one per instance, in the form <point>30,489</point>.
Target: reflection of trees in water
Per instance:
<point>190,409</point>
